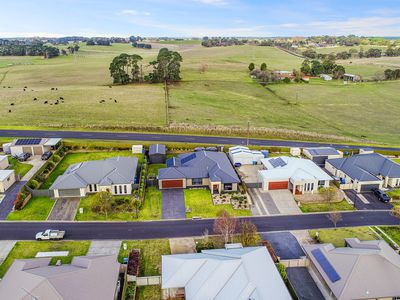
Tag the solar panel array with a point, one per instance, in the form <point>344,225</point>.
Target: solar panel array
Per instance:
<point>188,158</point>
<point>170,162</point>
<point>325,265</point>
<point>277,162</point>
<point>23,142</point>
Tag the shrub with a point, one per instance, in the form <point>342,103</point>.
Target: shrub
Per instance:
<point>40,178</point>
<point>282,271</point>
<point>133,263</point>
<point>56,158</point>
<point>203,245</point>
<point>50,165</point>
<point>33,184</point>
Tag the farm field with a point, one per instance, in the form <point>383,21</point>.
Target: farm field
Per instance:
<point>216,91</point>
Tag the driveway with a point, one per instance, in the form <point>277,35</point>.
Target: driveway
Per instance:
<point>285,202</point>
<point>36,163</point>
<point>285,244</point>
<point>173,204</point>
<point>7,204</point>
<point>104,247</point>
<point>263,203</point>
<point>64,209</point>
<point>366,200</point>
<point>303,284</point>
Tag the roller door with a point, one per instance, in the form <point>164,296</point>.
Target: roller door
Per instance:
<point>172,184</point>
<point>368,187</point>
<point>278,185</point>
<point>69,193</point>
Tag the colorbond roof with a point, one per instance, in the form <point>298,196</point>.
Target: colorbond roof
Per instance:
<point>3,157</point>
<point>322,151</point>
<point>5,173</point>
<point>244,273</point>
<point>157,149</point>
<point>201,164</point>
<point>367,270</point>
<point>366,167</point>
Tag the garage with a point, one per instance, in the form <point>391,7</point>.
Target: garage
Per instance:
<point>69,193</point>
<point>320,160</point>
<point>278,185</point>
<point>172,184</point>
<point>369,187</point>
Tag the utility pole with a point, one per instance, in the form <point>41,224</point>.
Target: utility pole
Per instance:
<point>248,132</point>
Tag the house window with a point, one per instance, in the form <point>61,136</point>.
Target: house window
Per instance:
<point>125,190</point>
<point>90,188</point>
<point>197,181</point>
<point>115,189</point>
<point>321,183</point>
<point>228,186</point>
<point>95,187</point>
<point>120,189</point>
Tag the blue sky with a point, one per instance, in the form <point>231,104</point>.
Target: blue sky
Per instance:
<point>186,18</point>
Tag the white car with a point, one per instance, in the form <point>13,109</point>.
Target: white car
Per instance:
<point>50,234</point>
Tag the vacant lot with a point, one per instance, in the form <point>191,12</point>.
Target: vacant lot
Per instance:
<point>37,209</point>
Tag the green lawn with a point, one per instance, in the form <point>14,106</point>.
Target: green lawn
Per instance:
<point>77,157</point>
<point>150,254</point>
<point>20,168</point>
<point>151,209</point>
<point>337,236</point>
<point>201,205</point>
<point>38,208</point>
<point>393,232</point>
<point>25,249</point>
<point>153,168</point>
<point>397,160</point>
<point>151,292</point>
<point>395,194</point>
<point>321,207</point>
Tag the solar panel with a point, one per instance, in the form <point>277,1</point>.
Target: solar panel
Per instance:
<point>170,162</point>
<point>23,142</point>
<point>277,162</point>
<point>188,158</point>
<point>325,265</point>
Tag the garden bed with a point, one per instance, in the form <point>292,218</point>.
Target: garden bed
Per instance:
<point>237,200</point>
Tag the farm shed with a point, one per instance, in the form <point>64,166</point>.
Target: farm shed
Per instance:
<point>3,162</point>
<point>7,179</point>
<point>244,156</point>
<point>157,154</point>
<point>34,146</point>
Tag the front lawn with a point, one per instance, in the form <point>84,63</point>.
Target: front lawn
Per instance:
<point>151,209</point>
<point>393,232</point>
<point>321,207</point>
<point>20,168</point>
<point>395,194</point>
<point>25,249</point>
<point>77,157</point>
<point>396,160</point>
<point>200,203</point>
<point>38,208</point>
<point>337,236</point>
<point>150,254</point>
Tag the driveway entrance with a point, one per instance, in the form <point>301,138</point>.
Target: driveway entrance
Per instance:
<point>173,204</point>
<point>64,209</point>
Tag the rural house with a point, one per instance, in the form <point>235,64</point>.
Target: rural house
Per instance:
<point>33,146</point>
<point>237,273</point>
<point>7,179</point>
<point>363,172</point>
<point>320,154</point>
<point>157,154</point>
<point>199,169</point>
<point>351,77</point>
<point>296,174</point>
<point>115,175</point>
<point>244,156</point>
<point>362,270</point>
<point>3,162</point>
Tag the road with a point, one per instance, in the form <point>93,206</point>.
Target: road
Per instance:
<point>130,136</point>
<point>184,228</point>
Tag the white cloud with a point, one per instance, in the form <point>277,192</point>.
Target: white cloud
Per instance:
<point>213,2</point>
<point>132,12</point>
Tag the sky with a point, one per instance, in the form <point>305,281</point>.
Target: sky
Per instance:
<point>197,18</point>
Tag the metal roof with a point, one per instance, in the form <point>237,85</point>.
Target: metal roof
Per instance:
<point>157,149</point>
<point>52,142</point>
<point>5,173</point>
<point>322,151</point>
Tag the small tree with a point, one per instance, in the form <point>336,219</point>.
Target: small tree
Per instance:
<point>103,202</point>
<point>251,67</point>
<point>263,67</point>
<point>225,225</point>
<point>248,233</point>
<point>328,193</point>
<point>335,217</point>
<point>137,205</point>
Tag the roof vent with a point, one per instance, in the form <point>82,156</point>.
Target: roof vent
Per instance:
<point>233,246</point>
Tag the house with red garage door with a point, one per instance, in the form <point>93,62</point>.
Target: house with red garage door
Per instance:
<point>296,174</point>
<point>199,169</point>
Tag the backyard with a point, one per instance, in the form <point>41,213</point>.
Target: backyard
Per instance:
<point>37,209</point>
<point>337,236</point>
<point>20,168</point>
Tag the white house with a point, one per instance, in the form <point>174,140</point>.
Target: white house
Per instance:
<point>245,156</point>
<point>3,162</point>
<point>7,179</point>
<point>325,77</point>
<point>296,174</point>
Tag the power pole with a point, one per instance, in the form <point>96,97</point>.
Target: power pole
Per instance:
<point>166,95</point>
<point>248,132</point>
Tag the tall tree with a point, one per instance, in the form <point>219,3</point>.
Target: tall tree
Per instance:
<point>136,204</point>
<point>251,67</point>
<point>103,202</point>
<point>335,217</point>
<point>225,225</point>
<point>125,68</point>
<point>248,235</point>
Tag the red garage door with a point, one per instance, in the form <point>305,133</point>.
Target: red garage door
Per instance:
<point>172,184</point>
<point>278,185</point>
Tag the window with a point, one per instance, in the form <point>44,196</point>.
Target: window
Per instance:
<point>120,189</point>
<point>115,189</point>
<point>321,183</point>
<point>90,188</point>
<point>125,190</point>
<point>95,187</point>
<point>197,181</point>
<point>228,187</point>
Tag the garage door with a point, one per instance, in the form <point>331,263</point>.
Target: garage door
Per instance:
<point>27,150</point>
<point>369,187</point>
<point>172,184</point>
<point>38,150</point>
<point>278,185</point>
<point>69,193</point>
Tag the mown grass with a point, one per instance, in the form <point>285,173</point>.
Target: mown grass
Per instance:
<point>37,209</point>
<point>337,236</point>
<point>393,232</point>
<point>23,250</point>
<point>322,207</point>
<point>20,168</point>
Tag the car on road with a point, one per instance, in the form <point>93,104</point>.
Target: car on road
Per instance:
<point>382,196</point>
<point>23,156</point>
<point>50,234</point>
<point>46,155</point>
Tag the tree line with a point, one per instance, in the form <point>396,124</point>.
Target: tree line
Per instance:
<point>327,66</point>
<point>352,53</point>
<point>34,49</point>
<point>221,41</point>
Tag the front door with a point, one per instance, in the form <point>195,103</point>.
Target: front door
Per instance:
<point>215,189</point>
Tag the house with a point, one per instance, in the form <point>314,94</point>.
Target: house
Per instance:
<point>325,77</point>
<point>320,154</point>
<point>115,175</point>
<point>3,162</point>
<point>33,146</point>
<point>363,172</point>
<point>157,154</point>
<point>244,156</point>
<point>199,169</point>
<point>284,74</point>
<point>87,277</point>
<point>351,77</point>
<point>296,174</point>
<point>230,273</point>
<point>362,270</point>
<point>7,179</point>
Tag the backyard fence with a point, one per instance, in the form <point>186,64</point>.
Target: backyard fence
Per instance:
<point>40,192</point>
<point>301,262</point>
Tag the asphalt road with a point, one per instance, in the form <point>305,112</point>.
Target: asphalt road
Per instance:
<point>184,228</point>
<point>212,140</point>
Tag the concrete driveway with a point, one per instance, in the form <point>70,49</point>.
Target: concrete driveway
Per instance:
<point>173,204</point>
<point>36,163</point>
<point>366,200</point>
<point>285,244</point>
<point>104,247</point>
<point>285,202</point>
<point>303,284</point>
<point>64,209</point>
<point>7,204</point>
<point>264,205</point>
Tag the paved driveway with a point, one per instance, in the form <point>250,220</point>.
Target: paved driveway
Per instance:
<point>303,284</point>
<point>285,244</point>
<point>366,200</point>
<point>7,204</point>
<point>104,247</point>
<point>263,203</point>
<point>285,202</point>
<point>64,209</point>
<point>173,204</point>
<point>36,163</point>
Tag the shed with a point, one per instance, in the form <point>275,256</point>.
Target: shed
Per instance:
<point>157,154</point>
<point>320,154</point>
<point>244,156</point>
<point>7,179</point>
<point>295,151</point>
<point>137,149</point>
<point>3,162</point>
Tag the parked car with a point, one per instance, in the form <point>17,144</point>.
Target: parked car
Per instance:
<point>50,234</point>
<point>382,196</point>
<point>46,155</point>
<point>23,156</point>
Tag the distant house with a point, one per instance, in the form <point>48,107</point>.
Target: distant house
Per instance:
<point>296,174</point>
<point>238,273</point>
<point>362,270</point>
<point>33,146</point>
<point>3,162</point>
<point>199,169</point>
<point>244,156</point>
<point>363,172</point>
<point>284,74</point>
<point>87,277</point>
<point>351,77</point>
<point>320,154</point>
<point>7,179</point>
<point>325,77</point>
<point>115,175</point>
<point>157,154</point>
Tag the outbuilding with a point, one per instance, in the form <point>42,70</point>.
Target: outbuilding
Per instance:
<point>244,156</point>
<point>34,146</point>
<point>7,179</point>
<point>157,154</point>
<point>3,162</point>
<point>320,154</point>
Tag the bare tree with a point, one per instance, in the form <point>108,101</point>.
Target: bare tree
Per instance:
<point>335,217</point>
<point>225,225</point>
<point>248,234</point>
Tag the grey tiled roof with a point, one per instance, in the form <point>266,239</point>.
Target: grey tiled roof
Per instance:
<point>204,164</point>
<point>366,167</point>
<point>322,151</point>
<point>157,149</point>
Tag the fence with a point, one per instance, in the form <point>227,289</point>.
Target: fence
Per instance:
<point>149,280</point>
<point>301,262</point>
<point>40,193</point>
<point>253,185</point>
